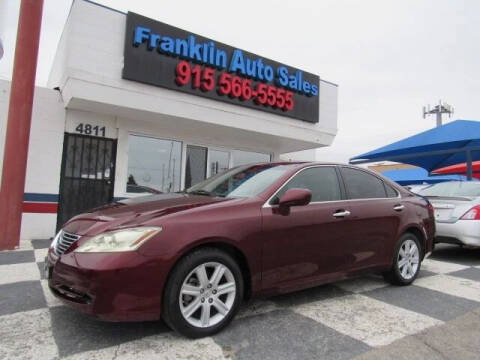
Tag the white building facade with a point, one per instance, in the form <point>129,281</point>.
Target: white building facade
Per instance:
<point>97,136</point>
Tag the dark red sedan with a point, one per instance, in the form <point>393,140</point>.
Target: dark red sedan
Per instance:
<point>192,257</point>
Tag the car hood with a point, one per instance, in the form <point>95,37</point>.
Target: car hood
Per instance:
<point>135,212</point>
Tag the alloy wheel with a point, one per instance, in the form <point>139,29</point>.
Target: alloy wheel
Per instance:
<point>408,259</point>
<point>207,294</point>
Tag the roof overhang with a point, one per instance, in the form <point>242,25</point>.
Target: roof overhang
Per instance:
<point>198,118</point>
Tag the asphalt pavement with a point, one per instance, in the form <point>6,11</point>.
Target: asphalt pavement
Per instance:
<point>363,318</point>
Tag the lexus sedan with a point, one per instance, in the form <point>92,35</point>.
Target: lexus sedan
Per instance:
<point>457,211</point>
<point>192,257</point>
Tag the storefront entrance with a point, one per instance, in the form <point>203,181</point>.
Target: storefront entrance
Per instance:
<point>87,174</point>
<point>155,165</point>
<point>196,166</point>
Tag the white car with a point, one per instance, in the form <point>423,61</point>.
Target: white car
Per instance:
<point>416,188</point>
<point>457,211</point>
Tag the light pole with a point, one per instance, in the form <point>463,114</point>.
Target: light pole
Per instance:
<point>444,108</point>
<point>438,110</point>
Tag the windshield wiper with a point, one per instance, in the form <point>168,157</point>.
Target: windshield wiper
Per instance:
<point>204,192</point>
<point>201,192</point>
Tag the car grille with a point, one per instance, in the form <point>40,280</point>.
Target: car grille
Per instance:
<point>65,241</point>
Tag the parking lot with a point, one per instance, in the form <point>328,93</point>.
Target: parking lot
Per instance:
<point>437,318</point>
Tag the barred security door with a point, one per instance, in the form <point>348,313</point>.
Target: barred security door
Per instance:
<point>87,175</point>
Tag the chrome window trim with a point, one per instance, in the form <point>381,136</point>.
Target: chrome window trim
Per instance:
<point>267,203</point>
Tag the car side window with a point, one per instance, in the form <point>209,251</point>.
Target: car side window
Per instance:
<point>391,192</point>
<point>362,185</point>
<point>322,181</point>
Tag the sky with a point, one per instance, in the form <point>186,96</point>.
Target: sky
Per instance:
<point>389,58</point>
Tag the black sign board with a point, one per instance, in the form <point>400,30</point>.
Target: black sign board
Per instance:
<point>159,54</point>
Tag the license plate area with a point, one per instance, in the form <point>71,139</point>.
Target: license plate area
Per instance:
<point>443,212</point>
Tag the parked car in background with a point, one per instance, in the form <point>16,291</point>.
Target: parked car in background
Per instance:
<point>192,257</point>
<point>457,211</point>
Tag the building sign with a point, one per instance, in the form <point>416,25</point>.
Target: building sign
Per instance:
<point>162,55</point>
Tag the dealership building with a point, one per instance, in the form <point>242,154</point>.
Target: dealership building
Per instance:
<point>135,106</point>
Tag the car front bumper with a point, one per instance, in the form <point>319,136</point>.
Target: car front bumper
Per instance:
<point>111,286</point>
<point>466,232</point>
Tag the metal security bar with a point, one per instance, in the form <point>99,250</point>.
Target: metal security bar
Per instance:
<point>87,175</point>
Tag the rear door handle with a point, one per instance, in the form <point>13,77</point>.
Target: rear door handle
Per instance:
<point>399,207</point>
<point>341,213</point>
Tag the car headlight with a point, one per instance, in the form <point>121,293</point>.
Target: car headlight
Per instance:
<point>119,240</point>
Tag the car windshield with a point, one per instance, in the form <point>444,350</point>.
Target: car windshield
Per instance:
<point>241,181</point>
<point>453,189</point>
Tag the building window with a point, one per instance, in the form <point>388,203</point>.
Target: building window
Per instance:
<point>219,161</point>
<point>248,157</point>
<point>154,165</point>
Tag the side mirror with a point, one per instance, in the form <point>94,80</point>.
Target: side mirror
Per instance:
<point>295,197</point>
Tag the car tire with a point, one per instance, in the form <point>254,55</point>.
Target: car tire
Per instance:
<point>197,306</point>
<point>407,254</point>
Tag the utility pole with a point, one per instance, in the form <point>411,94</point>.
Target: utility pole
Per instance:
<point>18,125</point>
<point>438,110</point>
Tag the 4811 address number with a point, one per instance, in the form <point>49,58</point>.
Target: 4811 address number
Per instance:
<point>205,79</point>
<point>88,129</point>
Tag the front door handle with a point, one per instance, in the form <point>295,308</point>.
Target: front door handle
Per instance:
<point>398,207</point>
<point>341,213</point>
